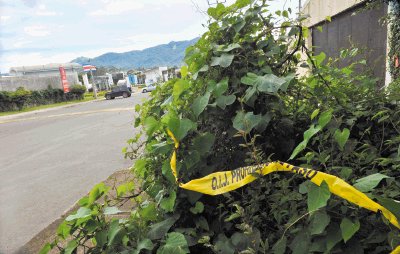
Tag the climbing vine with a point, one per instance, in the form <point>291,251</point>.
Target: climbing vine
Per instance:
<point>240,102</point>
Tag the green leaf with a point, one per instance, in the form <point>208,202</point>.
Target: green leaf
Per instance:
<point>200,103</point>
<point>198,208</point>
<point>97,191</point>
<point>246,121</point>
<point>308,134</point>
<point>314,114</point>
<point>242,3</point>
<point>224,101</point>
<point>175,244</point>
<point>319,221</point>
<point>333,236</point>
<point>349,228</point>
<point>111,210</point>
<point>82,212</point>
<point>71,246</point>
<point>220,87</point>
<point>180,127</point>
<point>167,172</point>
<point>179,87</point>
<point>227,48</point>
<point>184,71</point>
<point>280,246</point>
<point>328,18</point>
<point>158,230</point>
<point>45,249</point>
<point>341,137</point>
<point>325,118</point>
<point>318,196</point>
<point>268,83</point>
<point>368,183</point>
<point>167,204</point>
<point>225,60</point>
<point>144,244</point>
<point>148,211</point>
<point>392,205</point>
<point>203,143</point>
<point>301,243</point>
<point>151,125</point>
<point>113,232</point>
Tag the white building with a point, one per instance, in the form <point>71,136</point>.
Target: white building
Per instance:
<point>155,75</point>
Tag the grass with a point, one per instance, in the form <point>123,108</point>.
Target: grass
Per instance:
<point>87,97</point>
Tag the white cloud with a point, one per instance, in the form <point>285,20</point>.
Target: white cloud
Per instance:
<point>21,43</point>
<point>36,31</point>
<point>116,7</point>
<point>43,11</point>
<point>4,19</point>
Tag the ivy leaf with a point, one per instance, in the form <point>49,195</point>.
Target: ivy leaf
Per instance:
<point>180,127</point>
<point>308,134</point>
<point>301,243</point>
<point>239,25</point>
<point>333,236</point>
<point>198,208</point>
<point>325,118</point>
<point>71,246</point>
<point>220,88</point>
<point>224,101</point>
<point>148,211</point>
<point>151,125</point>
<point>280,246</point>
<point>392,205</point>
<point>227,48</point>
<point>111,210</point>
<point>113,232</point>
<point>179,87</point>
<point>144,244</point>
<point>318,196</point>
<point>175,244</point>
<point>246,121</point>
<point>203,143</point>
<point>368,183</point>
<point>268,83</point>
<point>349,228</point>
<point>225,60</point>
<point>319,221</point>
<point>158,230</point>
<point>184,71</point>
<point>341,137</point>
<point>200,103</point>
<point>314,114</point>
<point>82,212</point>
<point>167,204</point>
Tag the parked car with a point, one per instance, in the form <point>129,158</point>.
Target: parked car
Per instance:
<point>149,88</point>
<point>118,91</point>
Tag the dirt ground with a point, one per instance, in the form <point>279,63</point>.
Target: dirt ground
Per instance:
<point>48,234</point>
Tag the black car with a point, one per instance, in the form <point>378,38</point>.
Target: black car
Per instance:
<point>118,91</point>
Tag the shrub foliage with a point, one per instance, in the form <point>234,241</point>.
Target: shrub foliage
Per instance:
<point>22,98</point>
<point>241,102</point>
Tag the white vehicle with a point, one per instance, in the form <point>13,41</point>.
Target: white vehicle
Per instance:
<point>149,88</point>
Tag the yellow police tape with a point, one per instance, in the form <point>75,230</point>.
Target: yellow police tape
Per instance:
<point>222,182</point>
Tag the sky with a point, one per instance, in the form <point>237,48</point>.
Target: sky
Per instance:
<point>36,32</point>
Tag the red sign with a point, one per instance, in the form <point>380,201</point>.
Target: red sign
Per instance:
<point>64,80</point>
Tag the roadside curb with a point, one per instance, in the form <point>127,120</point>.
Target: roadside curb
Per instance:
<point>47,109</point>
<point>48,233</point>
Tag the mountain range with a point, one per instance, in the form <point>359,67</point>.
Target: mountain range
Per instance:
<point>170,54</point>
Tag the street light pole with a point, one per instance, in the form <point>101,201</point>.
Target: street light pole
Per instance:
<point>93,85</point>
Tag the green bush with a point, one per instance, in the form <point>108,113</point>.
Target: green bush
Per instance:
<point>22,98</point>
<point>240,102</point>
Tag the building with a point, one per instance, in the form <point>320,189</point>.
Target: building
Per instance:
<point>40,77</point>
<point>352,24</point>
<point>155,75</point>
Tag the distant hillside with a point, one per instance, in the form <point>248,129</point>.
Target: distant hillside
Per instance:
<point>170,54</point>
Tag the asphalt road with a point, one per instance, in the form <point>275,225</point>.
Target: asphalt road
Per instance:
<point>48,160</point>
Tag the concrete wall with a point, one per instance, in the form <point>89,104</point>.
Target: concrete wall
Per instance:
<point>36,82</point>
